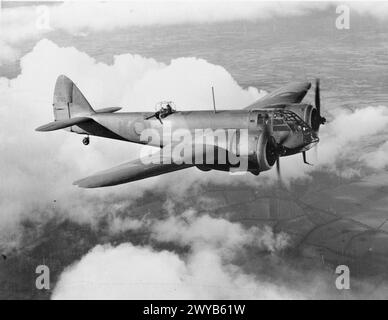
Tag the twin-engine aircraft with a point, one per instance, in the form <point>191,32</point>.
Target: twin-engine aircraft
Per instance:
<point>277,125</point>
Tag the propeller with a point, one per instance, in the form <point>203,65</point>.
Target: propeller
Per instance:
<point>317,97</point>
<point>278,168</point>
<point>318,119</point>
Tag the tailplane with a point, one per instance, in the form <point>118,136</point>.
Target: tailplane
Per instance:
<point>62,124</point>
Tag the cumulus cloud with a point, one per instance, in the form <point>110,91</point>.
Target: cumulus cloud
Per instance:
<point>134,272</point>
<point>39,168</point>
<point>206,271</point>
<point>343,144</point>
<point>7,52</point>
<point>347,137</point>
<point>205,231</point>
<point>141,272</point>
<point>377,159</point>
<point>208,258</point>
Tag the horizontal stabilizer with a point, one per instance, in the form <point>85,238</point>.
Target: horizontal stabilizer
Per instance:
<point>108,110</point>
<point>61,124</point>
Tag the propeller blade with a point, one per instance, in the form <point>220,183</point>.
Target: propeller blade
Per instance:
<point>318,97</point>
<point>322,120</point>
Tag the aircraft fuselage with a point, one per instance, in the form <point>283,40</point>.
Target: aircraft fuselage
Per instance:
<point>128,126</point>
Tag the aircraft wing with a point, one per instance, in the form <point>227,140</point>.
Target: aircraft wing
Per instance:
<point>149,166</point>
<point>153,165</point>
<point>291,93</point>
<point>137,169</point>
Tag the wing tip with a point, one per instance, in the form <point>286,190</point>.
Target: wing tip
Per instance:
<point>83,183</point>
<point>77,183</point>
<point>42,128</point>
<point>90,183</point>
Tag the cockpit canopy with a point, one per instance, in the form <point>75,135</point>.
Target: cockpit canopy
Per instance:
<point>165,108</point>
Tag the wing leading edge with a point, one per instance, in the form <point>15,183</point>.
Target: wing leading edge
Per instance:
<point>291,93</point>
<point>127,172</point>
<point>146,167</point>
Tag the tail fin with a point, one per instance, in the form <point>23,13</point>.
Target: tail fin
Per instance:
<point>70,106</point>
<point>68,100</point>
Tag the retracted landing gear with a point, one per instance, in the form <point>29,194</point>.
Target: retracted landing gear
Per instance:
<point>86,140</point>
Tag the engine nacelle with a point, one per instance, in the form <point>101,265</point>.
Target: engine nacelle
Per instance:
<point>307,113</point>
<point>259,155</point>
<point>262,155</point>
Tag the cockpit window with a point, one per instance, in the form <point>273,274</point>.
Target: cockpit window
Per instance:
<point>162,110</point>
<point>165,108</point>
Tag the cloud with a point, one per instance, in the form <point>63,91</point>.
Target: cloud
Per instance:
<point>205,231</point>
<point>207,258</point>
<point>130,272</point>
<point>377,159</point>
<point>376,9</point>
<point>206,271</point>
<point>7,52</point>
<point>350,134</point>
<point>80,18</point>
<point>349,144</point>
<point>39,168</point>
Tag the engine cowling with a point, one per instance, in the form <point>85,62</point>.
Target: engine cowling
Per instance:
<point>259,155</point>
<point>262,155</point>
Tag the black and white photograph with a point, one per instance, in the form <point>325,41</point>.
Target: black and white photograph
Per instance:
<point>220,151</point>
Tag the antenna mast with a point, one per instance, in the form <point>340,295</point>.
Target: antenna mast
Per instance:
<point>214,101</point>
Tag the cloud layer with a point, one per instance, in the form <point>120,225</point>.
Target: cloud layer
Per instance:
<point>206,258</point>
<point>79,18</point>
<point>206,271</point>
<point>38,169</point>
